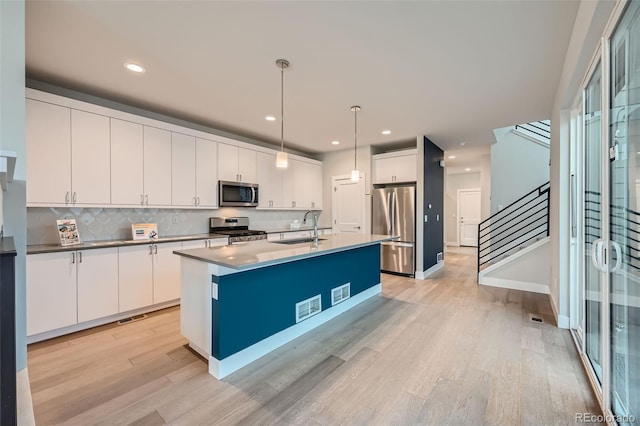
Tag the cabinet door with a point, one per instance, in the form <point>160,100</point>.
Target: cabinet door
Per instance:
<point>97,283</point>
<point>135,277</point>
<point>227,162</point>
<point>247,159</point>
<point>206,173</point>
<point>166,272</point>
<point>194,244</point>
<point>264,169</point>
<point>183,170</point>
<point>316,186</point>
<point>383,170</point>
<point>405,168</point>
<point>90,158</point>
<point>48,135</point>
<point>127,154</point>
<point>303,173</point>
<point>157,166</point>
<point>51,291</point>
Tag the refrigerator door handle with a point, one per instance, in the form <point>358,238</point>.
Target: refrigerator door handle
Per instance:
<point>394,205</point>
<point>388,215</point>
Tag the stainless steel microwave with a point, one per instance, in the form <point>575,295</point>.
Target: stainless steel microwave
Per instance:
<point>238,194</point>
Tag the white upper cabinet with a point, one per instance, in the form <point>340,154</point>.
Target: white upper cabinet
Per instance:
<point>206,173</point>
<point>183,170</point>
<point>264,170</point>
<point>399,166</point>
<point>127,163</point>
<point>237,164</point>
<point>307,185</point>
<point>48,134</point>
<point>90,158</point>
<point>297,187</point>
<point>157,167</point>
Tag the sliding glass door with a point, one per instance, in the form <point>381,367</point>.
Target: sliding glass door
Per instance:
<point>624,217</point>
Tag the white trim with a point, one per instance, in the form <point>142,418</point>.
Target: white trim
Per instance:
<point>222,368</point>
<point>24,402</point>
<point>97,322</point>
<point>514,285</point>
<point>421,275</point>
<point>520,253</point>
<point>398,153</point>
<point>561,320</point>
<point>363,200</point>
<point>452,244</point>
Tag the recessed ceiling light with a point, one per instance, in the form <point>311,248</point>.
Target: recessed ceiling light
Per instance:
<point>386,132</point>
<point>270,118</point>
<point>335,142</point>
<point>134,67</point>
<point>462,143</point>
<point>467,169</point>
<point>452,157</point>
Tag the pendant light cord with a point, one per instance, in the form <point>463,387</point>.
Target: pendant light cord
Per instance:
<point>355,141</point>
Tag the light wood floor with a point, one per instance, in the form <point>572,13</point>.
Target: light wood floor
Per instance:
<point>439,351</point>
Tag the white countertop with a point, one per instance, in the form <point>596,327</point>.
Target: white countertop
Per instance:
<point>249,255</point>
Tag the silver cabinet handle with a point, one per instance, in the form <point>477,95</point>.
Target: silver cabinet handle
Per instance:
<point>79,257</point>
<point>198,199</point>
<point>150,249</point>
<point>194,202</point>
<point>141,199</point>
<point>73,257</point>
<point>155,249</point>
<point>73,199</point>
<point>146,200</point>
<point>66,198</point>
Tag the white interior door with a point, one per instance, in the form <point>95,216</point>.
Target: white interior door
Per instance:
<point>468,216</point>
<point>348,199</point>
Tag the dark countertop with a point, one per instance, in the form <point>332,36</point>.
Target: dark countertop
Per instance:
<point>53,248</point>
<point>7,247</point>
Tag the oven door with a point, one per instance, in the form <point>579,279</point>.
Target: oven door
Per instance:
<point>238,194</point>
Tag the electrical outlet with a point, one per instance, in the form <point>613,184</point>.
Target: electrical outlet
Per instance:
<point>174,219</point>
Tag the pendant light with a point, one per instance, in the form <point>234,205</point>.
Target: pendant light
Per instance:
<point>282,157</point>
<point>355,174</point>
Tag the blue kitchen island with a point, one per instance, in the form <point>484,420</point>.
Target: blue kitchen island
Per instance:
<point>241,301</point>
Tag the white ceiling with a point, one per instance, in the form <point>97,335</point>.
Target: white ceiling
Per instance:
<point>451,70</point>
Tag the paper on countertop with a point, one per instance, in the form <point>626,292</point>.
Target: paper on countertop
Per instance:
<point>144,231</point>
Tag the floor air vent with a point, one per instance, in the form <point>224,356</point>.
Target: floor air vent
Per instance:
<point>131,319</point>
<point>536,318</point>
<point>340,294</point>
<point>439,257</point>
<point>308,308</point>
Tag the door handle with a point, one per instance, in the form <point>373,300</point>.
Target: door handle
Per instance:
<point>73,199</point>
<point>142,199</point>
<point>198,201</point>
<point>618,250</point>
<point>596,254</point>
<point>150,249</point>
<point>146,200</point>
<point>155,249</point>
<point>67,198</point>
<point>356,227</point>
<point>79,257</point>
<point>253,195</point>
<point>73,257</point>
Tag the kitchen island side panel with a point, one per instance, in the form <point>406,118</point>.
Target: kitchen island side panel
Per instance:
<point>259,303</point>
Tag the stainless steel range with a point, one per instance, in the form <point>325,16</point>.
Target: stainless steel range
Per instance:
<point>237,228</point>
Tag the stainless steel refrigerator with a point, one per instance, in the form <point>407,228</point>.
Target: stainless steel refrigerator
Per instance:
<point>394,213</point>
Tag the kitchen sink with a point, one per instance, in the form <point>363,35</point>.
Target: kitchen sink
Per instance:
<point>297,241</point>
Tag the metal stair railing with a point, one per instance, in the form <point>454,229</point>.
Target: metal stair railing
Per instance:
<point>540,128</point>
<point>513,227</point>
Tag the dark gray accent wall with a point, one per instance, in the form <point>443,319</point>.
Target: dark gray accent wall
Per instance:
<point>433,230</point>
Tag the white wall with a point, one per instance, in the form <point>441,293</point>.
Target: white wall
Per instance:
<point>341,163</point>
<point>518,165</point>
<point>588,28</point>
<point>454,182</point>
<point>12,118</point>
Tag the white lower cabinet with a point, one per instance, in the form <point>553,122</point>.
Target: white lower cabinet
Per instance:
<point>51,291</point>
<point>97,272</point>
<point>135,276</point>
<point>166,272</point>
<point>213,242</point>
<point>66,288</point>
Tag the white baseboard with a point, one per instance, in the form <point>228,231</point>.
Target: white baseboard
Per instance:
<point>421,275</point>
<point>452,244</point>
<point>514,285</point>
<point>222,368</point>
<point>23,399</point>
<point>561,320</point>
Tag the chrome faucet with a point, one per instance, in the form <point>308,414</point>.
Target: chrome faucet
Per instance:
<point>315,224</point>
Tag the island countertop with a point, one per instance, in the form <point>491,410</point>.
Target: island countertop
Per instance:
<point>256,254</point>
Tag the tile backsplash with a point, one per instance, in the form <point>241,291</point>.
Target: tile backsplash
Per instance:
<point>115,224</point>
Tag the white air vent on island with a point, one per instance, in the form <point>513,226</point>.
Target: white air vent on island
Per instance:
<point>340,294</point>
<point>308,308</point>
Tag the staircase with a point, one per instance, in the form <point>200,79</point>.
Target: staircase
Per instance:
<point>513,244</point>
<point>536,131</point>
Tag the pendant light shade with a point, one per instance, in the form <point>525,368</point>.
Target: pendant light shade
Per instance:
<point>355,174</point>
<point>282,157</point>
